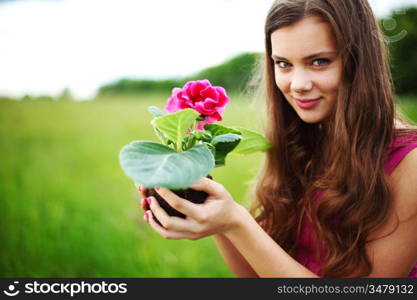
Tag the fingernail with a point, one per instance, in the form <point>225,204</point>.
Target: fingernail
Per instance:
<point>149,200</point>
<point>157,188</point>
<point>146,217</point>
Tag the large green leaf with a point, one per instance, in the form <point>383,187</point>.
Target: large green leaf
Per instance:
<point>175,125</point>
<point>223,145</point>
<point>251,142</point>
<point>153,164</point>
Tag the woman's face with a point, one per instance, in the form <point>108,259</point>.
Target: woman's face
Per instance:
<point>308,68</point>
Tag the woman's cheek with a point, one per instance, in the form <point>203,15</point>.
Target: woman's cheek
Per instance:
<point>333,79</point>
<point>333,82</point>
<point>282,83</point>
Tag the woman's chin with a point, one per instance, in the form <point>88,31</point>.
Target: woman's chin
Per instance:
<point>311,118</point>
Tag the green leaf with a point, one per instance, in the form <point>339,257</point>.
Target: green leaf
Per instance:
<point>156,111</point>
<point>206,136</point>
<point>216,129</point>
<point>226,138</point>
<point>251,142</point>
<point>153,164</point>
<point>162,138</point>
<point>175,125</point>
<point>224,144</point>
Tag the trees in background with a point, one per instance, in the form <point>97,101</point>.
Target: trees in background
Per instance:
<point>233,75</point>
<point>399,29</point>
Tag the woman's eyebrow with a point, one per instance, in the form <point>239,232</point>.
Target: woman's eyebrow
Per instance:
<point>318,54</point>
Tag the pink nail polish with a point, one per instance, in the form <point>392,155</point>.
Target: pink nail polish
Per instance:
<point>146,216</point>
<point>149,200</point>
<point>157,188</point>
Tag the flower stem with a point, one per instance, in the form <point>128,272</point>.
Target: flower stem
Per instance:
<point>195,130</point>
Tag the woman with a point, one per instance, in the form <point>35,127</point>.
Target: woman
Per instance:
<point>337,196</point>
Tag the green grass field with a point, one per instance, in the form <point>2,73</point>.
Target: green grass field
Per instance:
<point>68,210</point>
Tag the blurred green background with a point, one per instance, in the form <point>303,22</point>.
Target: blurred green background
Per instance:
<point>68,210</point>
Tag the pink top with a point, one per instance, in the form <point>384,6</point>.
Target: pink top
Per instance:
<point>308,249</point>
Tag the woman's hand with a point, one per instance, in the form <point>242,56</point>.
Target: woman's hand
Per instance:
<point>217,215</point>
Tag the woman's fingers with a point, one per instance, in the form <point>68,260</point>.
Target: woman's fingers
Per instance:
<point>143,190</point>
<point>167,234</point>
<point>186,207</point>
<point>172,223</point>
<point>144,204</point>
<point>209,186</point>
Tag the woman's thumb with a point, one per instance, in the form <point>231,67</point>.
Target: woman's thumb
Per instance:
<point>207,185</point>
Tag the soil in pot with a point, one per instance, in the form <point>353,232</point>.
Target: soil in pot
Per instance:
<point>189,194</point>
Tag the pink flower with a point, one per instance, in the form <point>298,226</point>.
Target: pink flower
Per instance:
<point>210,101</point>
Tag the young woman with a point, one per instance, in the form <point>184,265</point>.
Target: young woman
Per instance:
<point>338,193</point>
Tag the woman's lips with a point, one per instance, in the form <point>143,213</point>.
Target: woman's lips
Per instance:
<point>307,103</point>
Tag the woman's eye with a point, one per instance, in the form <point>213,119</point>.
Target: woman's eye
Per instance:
<point>282,64</point>
<point>321,62</point>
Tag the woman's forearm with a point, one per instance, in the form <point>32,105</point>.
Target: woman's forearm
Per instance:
<point>263,254</point>
<point>236,262</point>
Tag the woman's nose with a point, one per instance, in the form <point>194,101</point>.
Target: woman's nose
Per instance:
<point>301,82</point>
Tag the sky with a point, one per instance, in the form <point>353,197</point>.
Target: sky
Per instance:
<point>49,45</point>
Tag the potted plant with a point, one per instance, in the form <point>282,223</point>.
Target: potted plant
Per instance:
<point>190,144</point>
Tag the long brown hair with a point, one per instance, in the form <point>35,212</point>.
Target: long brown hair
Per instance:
<point>343,157</point>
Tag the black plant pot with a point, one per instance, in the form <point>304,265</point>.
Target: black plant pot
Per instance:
<point>189,194</point>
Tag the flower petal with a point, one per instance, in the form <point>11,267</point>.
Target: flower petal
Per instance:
<point>207,108</point>
<point>209,92</point>
<point>171,106</point>
<point>223,98</point>
<point>193,89</point>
